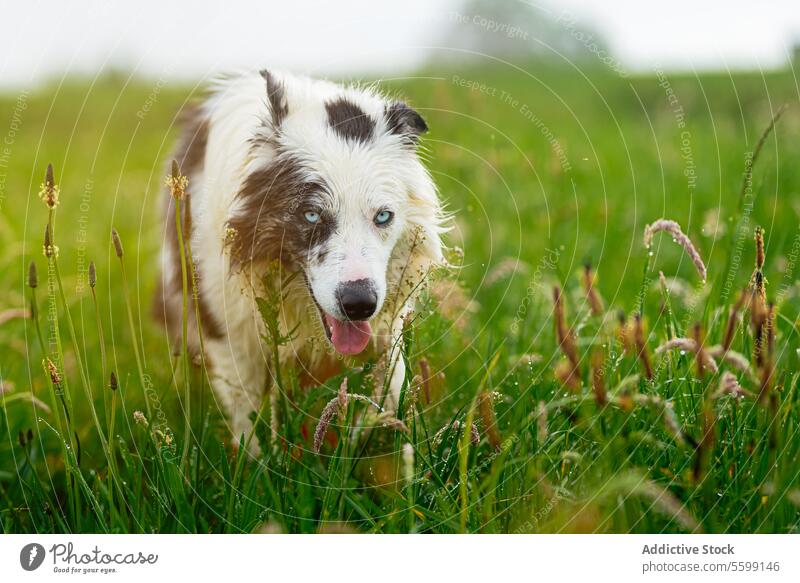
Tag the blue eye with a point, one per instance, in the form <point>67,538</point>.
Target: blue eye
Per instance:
<point>383,218</point>
<point>312,216</point>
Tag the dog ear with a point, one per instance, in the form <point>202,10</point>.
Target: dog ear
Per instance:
<point>404,121</point>
<point>276,94</point>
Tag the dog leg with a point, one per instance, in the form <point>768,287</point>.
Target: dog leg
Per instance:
<point>239,383</point>
<point>396,373</point>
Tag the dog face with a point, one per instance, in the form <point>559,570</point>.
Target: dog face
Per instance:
<point>339,184</point>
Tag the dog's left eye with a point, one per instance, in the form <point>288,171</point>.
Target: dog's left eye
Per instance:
<point>312,216</point>
<point>383,218</point>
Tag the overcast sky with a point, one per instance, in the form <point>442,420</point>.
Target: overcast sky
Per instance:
<point>41,39</point>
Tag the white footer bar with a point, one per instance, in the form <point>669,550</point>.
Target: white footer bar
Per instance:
<point>406,558</point>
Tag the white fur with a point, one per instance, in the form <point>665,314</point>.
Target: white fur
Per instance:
<point>364,178</point>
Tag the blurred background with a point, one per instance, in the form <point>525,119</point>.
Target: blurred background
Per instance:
<point>190,40</point>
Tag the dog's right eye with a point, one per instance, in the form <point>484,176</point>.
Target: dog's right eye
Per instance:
<point>312,216</point>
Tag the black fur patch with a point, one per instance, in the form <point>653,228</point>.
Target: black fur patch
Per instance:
<point>349,121</point>
<point>404,121</point>
<point>276,93</point>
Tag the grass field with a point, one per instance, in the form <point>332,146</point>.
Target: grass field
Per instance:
<point>545,169</point>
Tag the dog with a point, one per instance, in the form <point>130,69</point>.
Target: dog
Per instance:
<point>324,180</point>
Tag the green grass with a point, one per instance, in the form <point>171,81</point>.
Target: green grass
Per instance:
<point>545,169</point>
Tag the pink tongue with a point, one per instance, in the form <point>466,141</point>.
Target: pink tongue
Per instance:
<point>349,337</point>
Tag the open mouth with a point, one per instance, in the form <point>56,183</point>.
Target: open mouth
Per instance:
<point>347,336</point>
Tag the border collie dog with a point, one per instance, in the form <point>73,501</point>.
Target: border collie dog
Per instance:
<point>323,180</point>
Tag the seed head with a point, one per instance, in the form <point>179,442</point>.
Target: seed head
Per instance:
<point>592,297</point>
<point>49,190</point>
<point>568,372</point>
<point>729,385</point>
<point>759,237</point>
<point>735,359</point>
<point>486,410</point>
<point>52,369</point>
<point>176,182</point>
<point>230,235</point>
<point>342,399</point>
<point>541,423</point>
<point>691,345</point>
<point>325,418</point>
<point>563,333</point>
<point>50,251</point>
<point>33,277</point>
<point>758,282</point>
<point>337,405</point>
<point>685,344</point>
<point>758,318</point>
<point>679,237</point>
<point>112,381</point>
<point>568,375</point>
<point>766,360</point>
<point>117,243</point>
<point>697,332</point>
<point>671,423</point>
<point>624,332</point>
<point>21,439</point>
<point>140,419</point>
<point>387,419</point>
<point>598,381</point>
<point>92,274</point>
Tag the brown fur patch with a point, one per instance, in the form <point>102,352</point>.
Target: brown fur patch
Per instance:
<point>269,224</point>
<point>327,369</point>
<point>349,121</point>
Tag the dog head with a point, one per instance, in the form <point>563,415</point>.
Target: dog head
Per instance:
<point>335,189</point>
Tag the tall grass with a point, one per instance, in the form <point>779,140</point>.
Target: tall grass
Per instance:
<point>663,405</point>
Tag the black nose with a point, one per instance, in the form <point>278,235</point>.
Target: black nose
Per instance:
<point>357,299</point>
